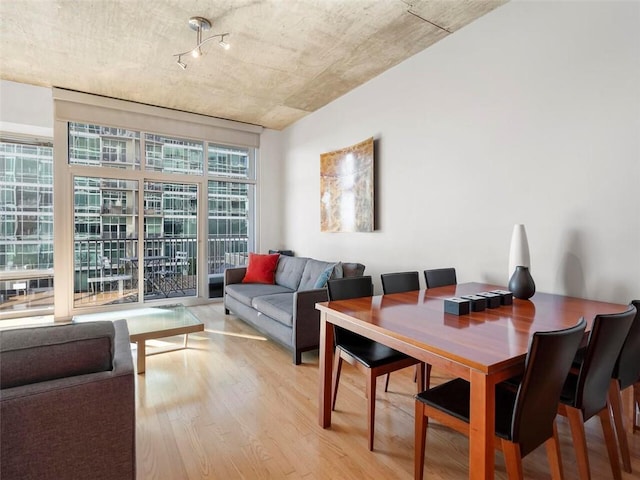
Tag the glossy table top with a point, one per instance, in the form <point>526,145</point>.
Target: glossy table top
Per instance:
<point>486,341</point>
<point>151,322</point>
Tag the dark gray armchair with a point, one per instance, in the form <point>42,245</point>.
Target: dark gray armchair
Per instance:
<point>67,404</point>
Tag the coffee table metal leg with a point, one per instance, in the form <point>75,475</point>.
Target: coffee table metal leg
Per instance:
<point>186,338</point>
<point>141,355</point>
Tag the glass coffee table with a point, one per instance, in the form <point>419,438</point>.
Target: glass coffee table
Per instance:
<point>151,323</point>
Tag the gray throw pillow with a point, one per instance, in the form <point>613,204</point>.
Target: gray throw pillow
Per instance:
<point>312,271</point>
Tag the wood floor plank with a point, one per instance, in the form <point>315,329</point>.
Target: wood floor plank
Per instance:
<point>233,406</point>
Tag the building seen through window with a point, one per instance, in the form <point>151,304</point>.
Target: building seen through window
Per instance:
<point>26,225</point>
<point>109,264</point>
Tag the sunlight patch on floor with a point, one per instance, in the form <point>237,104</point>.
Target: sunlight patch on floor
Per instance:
<point>120,314</point>
<point>232,334</point>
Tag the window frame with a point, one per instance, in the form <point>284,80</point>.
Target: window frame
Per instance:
<point>84,108</point>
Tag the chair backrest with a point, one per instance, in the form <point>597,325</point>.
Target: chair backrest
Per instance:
<point>400,282</point>
<point>627,369</point>
<point>440,277</point>
<point>605,343</point>
<point>547,364</point>
<point>344,289</point>
<point>352,287</point>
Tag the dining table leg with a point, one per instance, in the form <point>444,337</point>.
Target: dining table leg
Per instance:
<point>326,367</point>
<point>481,426</point>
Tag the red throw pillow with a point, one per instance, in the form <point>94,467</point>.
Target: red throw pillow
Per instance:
<point>261,268</point>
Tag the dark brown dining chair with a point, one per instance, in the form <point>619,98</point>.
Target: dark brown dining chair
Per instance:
<point>585,392</point>
<point>626,373</point>
<point>370,357</point>
<point>400,282</point>
<point>524,415</point>
<point>440,277</point>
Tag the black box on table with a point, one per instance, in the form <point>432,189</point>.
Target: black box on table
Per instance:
<point>456,305</point>
<point>506,297</point>
<point>478,303</point>
<point>493,299</point>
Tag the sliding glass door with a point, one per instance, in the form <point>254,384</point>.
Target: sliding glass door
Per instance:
<point>110,266</point>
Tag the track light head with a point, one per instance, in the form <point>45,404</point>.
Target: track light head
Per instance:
<point>224,44</point>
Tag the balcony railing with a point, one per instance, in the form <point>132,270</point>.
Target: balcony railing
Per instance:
<point>169,264</point>
<point>107,270</point>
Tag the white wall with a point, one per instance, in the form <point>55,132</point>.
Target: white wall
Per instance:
<point>26,109</point>
<point>270,193</point>
<point>529,115</point>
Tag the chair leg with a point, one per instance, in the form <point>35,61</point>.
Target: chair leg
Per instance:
<point>615,400</point>
<point>553,454</point>
<point>610,442</point>
<point>337,367</point>
<point>371,405</point>
<point>512,460</point>
<point>576,422</point>
<point>386,383</point>
<point>419,441</point>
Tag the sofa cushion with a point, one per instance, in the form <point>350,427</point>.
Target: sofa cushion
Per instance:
<point>246,292</point>
<point>261,268</point>
<point>289,271</point>
<point>38,354</point>
<point>312,270</point>
<point>278,306</point>
<point>337,271</point>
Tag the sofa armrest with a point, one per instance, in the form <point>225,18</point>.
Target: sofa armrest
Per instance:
<point>231,276</point>
<point>306,320</point>
<point>53,429</point>
<point>122,358</point>
<point>234,275</point>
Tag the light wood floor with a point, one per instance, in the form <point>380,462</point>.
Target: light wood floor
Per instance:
<point>233,406</point>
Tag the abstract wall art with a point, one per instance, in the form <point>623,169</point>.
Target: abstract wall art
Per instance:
<point>346,189</point>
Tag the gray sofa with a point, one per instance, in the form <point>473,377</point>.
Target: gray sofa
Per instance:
<point>67,404</point>
<point>286,311</point>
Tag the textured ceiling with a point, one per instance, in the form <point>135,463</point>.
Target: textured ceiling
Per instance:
<point>287,57</point>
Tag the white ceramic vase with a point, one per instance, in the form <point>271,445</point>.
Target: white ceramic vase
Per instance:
<point>519,252</point>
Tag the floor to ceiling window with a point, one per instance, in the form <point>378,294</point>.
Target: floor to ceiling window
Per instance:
<point>230,204</point>
<point>160,208</point>
<point>26,228</point>
<point>111,266</point>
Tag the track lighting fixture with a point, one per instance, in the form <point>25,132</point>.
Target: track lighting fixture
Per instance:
<point>199,24</point>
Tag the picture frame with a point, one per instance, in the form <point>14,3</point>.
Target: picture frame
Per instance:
<point>347,188</point>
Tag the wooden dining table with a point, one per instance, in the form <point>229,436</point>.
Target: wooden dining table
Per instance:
<point>484,347</point>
